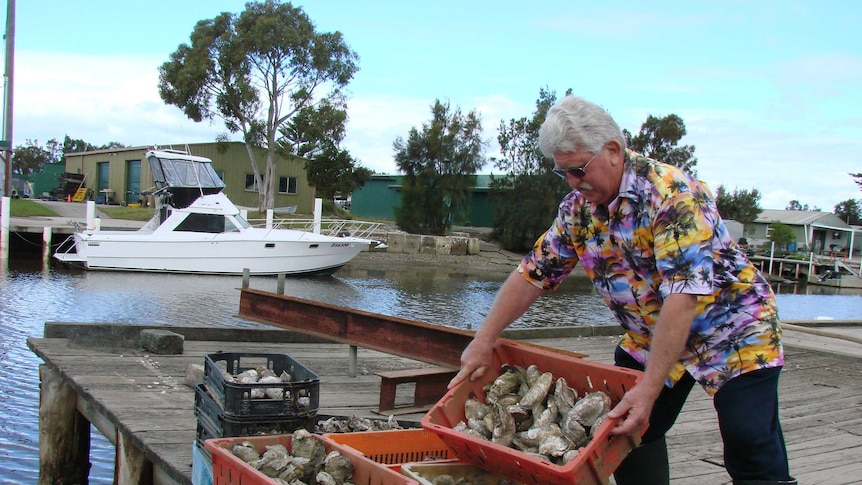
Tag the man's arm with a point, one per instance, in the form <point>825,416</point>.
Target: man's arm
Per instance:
<point>668,341</point>
<point>514,298</point>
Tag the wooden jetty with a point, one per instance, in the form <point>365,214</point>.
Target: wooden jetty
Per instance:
<point>97,374</point>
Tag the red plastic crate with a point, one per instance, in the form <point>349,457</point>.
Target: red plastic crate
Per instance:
<point>595,462</point>
<point>393,448</point>
<point>230,470</point>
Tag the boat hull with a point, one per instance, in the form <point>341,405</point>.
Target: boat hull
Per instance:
<point>229,254</point>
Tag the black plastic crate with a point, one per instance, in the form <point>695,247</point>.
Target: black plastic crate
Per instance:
<point>235,398</point>
<point>213,423</point>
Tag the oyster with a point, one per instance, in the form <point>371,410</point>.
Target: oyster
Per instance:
<point>554,445</point>
<point>533,374</point>
<point>564,395</point>
<point>504,428</point>
<point>588,409</point>
<point>573,430</point>
<point>271,392</point>
<point>246,452</point>
<point>324,478</point>
<point>507,383</point>
<point>476,409</point>
<point>306,446</point>
<point>275,459</point>
<point>538,391</point>
<point>480,427</point>
<point>338,466</point>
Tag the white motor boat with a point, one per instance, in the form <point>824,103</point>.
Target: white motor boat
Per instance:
<point>197,229</point>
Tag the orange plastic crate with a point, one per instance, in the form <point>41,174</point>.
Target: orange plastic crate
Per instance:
<point>395,447</point>
<point>227,469</point>
<point>596,461</point>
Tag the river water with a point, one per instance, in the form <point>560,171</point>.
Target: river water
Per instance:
<point>32,293</point>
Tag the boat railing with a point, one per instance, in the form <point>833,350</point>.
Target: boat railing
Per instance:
<point>329,227</point>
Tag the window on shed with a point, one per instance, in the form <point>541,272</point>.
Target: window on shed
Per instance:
<point>250,183</point>
<point>287,185</point>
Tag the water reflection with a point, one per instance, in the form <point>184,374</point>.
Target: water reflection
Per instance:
<point>33,293</point>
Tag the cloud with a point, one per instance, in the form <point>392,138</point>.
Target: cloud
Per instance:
<point>98,99</point>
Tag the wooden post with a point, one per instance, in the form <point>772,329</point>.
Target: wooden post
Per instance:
<point>46,245</point>
<point>351,362</point>
<point>132,465</point>
<point>279,286</point>
<point>64,433</point>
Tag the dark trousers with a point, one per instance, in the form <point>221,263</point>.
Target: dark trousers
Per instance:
<point>747,408</point>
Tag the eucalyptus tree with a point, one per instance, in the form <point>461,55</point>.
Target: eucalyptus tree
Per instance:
<point>257,71</point>
<point>438,163</point>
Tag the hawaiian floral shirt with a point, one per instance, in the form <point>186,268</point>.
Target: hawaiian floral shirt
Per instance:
<point>663,235</point>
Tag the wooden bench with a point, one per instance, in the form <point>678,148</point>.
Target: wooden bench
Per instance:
<point>430,383</point>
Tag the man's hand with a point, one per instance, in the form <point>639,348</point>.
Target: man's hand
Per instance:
<point>633,411</point>
<point>475,360</point>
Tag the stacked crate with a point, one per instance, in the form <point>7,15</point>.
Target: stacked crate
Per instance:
<point>225,408</point>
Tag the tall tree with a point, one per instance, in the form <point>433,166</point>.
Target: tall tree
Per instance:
<point>315,134</point>
<point>857,177</point>
<point>522,213</point>
<point>438,163</point>
<point>334,171</point>
<point>742,205</point>
<point>256,71</point>
<point>795,205</point>
<point>77,145</point>
<point>850,211</point>
<point>659,138</point>
<point>31,156</point>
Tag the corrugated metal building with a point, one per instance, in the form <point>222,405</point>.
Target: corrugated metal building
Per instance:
<point>380,195</point>
<point>122,174</point>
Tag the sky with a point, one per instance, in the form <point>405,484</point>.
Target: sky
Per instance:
<point>769,90</point>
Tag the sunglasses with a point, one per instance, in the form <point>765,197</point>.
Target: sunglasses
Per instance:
<point>579,172</point>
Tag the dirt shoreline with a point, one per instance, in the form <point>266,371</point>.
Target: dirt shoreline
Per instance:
<point>484,262</point>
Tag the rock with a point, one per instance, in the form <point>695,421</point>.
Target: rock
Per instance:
<point>162,342</point>
<point>194,375</point>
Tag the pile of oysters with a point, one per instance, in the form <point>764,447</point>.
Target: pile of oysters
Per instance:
<point>265,375</point>
<point>306,463</point>
<point>529,410</point>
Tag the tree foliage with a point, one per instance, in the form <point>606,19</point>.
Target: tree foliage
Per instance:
<point>438,163</point>
<point>334,172</point>
<point>31,156</point>
<point>260,71</point>
<point>781,234</point>
<point>522,210</point>
<point>659,138</point>
<point>857,178</point>
<point>742,205</point>
<point>850,211</point>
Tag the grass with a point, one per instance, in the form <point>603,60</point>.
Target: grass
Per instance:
<point>129,213</point>
<point>29,208</point>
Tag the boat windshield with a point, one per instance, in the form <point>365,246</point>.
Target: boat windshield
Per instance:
<point>177,172</point>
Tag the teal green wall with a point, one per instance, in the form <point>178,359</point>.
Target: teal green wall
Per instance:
<point>379,197</point>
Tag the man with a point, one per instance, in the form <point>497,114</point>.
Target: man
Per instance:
<point>693,307</point>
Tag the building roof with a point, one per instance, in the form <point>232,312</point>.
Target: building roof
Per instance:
<point>802,218</point>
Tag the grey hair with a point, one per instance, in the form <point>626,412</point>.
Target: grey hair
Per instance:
<point>576,124</point>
